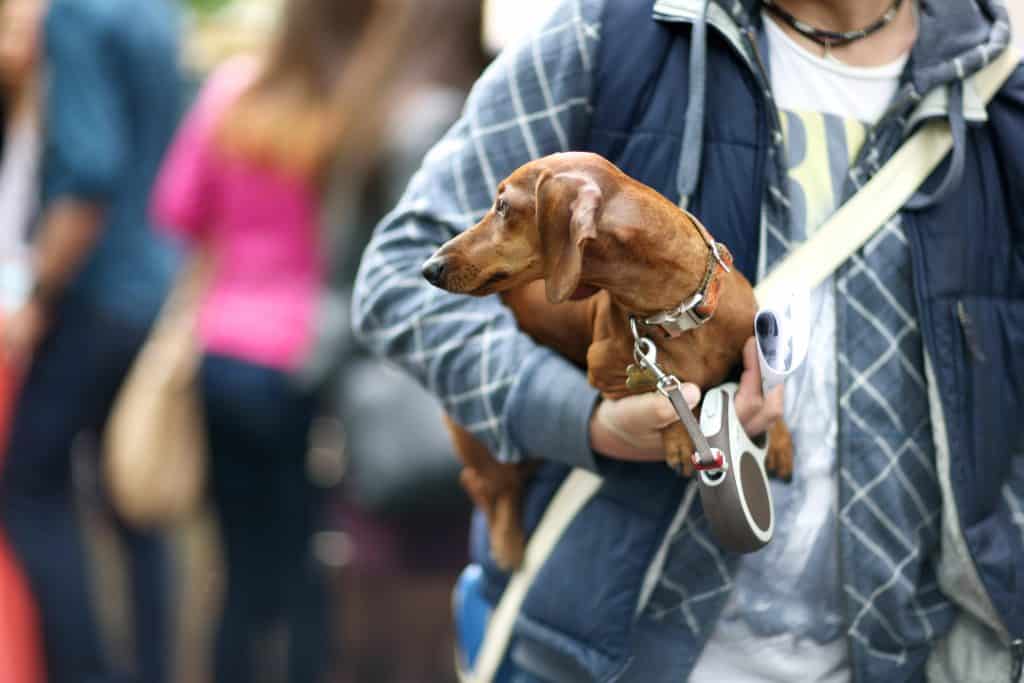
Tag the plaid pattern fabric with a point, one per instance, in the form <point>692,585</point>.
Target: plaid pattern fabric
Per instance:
<point>890,499</point>
<point>889,493</point>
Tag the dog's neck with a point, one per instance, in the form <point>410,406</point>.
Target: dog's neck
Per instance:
<point>646,276</point>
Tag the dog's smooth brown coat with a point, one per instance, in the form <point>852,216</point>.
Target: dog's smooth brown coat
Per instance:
<point>575,246</point>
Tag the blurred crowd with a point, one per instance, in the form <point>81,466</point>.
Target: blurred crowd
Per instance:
<point>332,526</point>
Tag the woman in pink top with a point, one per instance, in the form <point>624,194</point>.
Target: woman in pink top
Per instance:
<point>243,181</point>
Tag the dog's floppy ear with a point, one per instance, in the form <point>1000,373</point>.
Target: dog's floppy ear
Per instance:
<point>567,211</point>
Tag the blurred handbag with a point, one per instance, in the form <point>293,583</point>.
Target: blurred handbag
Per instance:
<point>155,443</point>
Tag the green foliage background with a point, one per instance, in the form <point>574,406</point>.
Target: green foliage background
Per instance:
<point>208,5</point>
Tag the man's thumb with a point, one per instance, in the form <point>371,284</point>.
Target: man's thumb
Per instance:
<point>663,407</point>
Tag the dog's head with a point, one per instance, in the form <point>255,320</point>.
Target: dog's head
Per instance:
<point>543,217</point>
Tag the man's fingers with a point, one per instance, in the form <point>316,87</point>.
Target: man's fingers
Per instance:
<point>770,410</point>
<point>654,409</point>
<point>750,380</point>
<point>749,399</point>
<point>666,414</point>
<point>691,392</point>
<point>631,428</point>
<point>755,410</point>
<point>751,358</point>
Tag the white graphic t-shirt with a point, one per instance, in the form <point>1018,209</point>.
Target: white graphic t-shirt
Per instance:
<point>784,618</point>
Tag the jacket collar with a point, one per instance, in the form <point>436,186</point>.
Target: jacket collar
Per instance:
<point>725,21</point>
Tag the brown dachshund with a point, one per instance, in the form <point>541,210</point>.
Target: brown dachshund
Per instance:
<point>576,246</point>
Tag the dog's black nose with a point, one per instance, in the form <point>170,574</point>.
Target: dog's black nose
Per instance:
<point>433,271</point>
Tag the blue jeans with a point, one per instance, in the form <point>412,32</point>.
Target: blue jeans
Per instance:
<point>258,426</point>
<point>69,390</point>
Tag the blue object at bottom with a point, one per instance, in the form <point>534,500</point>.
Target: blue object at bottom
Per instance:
<point>471,612</point>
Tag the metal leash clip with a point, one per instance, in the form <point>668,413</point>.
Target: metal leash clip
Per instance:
<point>645,353</point>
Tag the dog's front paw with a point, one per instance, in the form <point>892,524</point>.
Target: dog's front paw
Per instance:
<point>678,449</point>
<point>779,459</point>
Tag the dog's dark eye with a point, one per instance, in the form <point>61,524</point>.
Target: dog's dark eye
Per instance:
<point>501,207</point>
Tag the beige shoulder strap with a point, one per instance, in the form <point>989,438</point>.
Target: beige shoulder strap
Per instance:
<point>850,227</point>
<point>579,487</point>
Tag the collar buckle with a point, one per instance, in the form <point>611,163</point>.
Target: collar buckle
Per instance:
<point>698,309</point>
<point>680,319</point>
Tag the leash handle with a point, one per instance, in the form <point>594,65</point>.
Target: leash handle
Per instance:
<point>737,498</point>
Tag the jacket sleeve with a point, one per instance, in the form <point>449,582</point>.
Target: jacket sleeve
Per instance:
<point>513,395</point>
<point>85,128</point>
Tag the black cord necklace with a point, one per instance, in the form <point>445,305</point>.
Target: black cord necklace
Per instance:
<point>830,39</point>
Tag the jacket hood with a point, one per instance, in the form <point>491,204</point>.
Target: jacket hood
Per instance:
<point>956,39</point>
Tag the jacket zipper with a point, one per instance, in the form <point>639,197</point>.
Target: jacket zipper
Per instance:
<point>970,335</point>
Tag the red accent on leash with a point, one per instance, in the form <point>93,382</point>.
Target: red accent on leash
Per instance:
<point>717,464</point>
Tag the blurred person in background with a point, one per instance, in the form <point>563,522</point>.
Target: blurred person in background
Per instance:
<point>243,184</point>
<point>109,104</point>
<point>21,143</point>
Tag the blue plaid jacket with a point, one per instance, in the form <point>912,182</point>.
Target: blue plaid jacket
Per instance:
<point>606,77</point>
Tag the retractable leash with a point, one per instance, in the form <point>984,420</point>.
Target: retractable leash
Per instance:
<point>731,477</point>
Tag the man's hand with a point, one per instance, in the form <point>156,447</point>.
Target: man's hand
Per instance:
<point>756,411</point>
<point>23,332</point>
<point>630,428</point>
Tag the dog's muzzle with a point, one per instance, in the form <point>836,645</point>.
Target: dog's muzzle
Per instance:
<point>433,270</point>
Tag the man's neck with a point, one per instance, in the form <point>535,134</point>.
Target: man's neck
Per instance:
<point>885,45</point>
